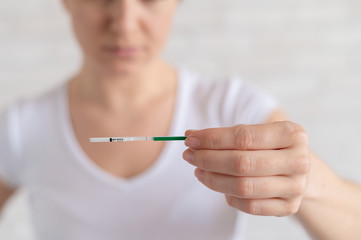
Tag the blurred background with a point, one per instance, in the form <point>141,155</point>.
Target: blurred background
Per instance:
<point>306,53</point>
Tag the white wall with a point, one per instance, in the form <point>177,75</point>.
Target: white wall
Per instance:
<point>307,53</point>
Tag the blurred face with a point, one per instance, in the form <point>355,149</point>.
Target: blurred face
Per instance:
<point>121,36</point>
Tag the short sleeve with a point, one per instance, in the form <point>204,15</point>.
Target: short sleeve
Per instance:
<point>253,105</point>
<point>9,147</point>
<point>227,102</point>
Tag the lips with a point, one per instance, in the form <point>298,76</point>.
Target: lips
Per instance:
<point>122,51</point>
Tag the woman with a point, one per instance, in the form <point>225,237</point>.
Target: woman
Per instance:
<point>140,190</point>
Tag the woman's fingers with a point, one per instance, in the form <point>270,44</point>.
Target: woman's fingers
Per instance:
<point>249,163</point>
<point>262,168</point>
<point>275,135</point>
<point>253,187</point>
<point>265,207</point>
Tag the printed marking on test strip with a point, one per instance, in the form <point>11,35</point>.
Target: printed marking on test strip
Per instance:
<point>133,139</point>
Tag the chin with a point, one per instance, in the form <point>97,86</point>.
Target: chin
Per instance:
<point>123,69</point>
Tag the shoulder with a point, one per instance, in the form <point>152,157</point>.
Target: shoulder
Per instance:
<point>23,119</point>
<point>228,100</point>
<point>22,124</point>
<point>204,85</point>
<point>27,109</point>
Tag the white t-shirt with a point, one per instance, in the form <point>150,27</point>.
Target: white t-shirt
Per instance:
<point>71,198</point>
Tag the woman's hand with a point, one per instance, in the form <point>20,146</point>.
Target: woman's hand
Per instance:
<point>261,169</point>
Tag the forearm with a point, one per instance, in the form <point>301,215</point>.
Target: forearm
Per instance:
<point>331,208</point>
<point>5,194</point>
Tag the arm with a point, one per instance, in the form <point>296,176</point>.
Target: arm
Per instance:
<point>5,193</point>
<point>331,205</point>
<point>8,178</point>
<point>267,169</point>
<point>330,208</point>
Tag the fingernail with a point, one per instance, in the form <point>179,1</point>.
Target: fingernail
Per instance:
<point>192,142</point>
<point>188,132</point>
<point>199,174</point>
<point>188,155</point>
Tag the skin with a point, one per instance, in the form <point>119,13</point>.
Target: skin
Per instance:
<point>268,170</point>
<point>264,169</point>
<point>261,169</point>
<point>122,95</point>
<point>5,193</point>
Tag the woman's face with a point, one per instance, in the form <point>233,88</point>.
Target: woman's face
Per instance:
<point>121,36</point>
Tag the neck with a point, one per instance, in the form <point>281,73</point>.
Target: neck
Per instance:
<point>118,92</point>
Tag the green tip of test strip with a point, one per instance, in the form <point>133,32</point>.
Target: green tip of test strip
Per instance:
<point>169,138</point>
